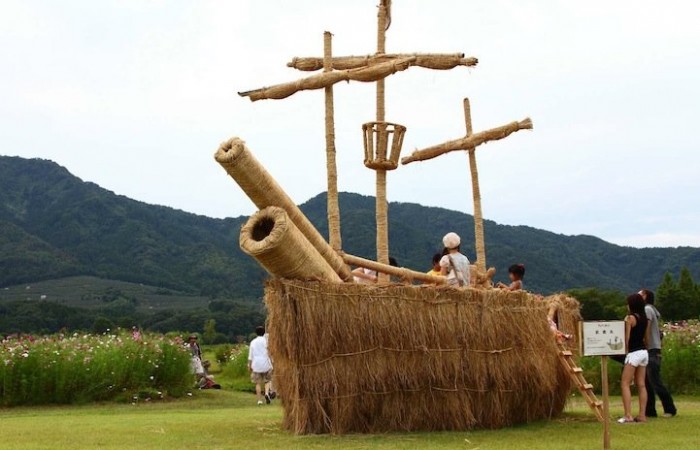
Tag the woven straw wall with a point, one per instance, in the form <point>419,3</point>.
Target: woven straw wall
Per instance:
<point>360,358</point>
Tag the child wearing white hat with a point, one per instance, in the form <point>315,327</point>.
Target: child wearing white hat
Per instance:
<point>454,265</point>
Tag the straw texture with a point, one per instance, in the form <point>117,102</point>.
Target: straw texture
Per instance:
<point>361,358</point>
<point>382,212</point>
<point>323,80</point>
<point>271,238</point>
<point>333,210</point>
<point>427,60</point>
<point>465,143</point>
<point>381,202</point>
<point>566,313</point>
<point>389,140</point>
<point>405,274</point>
<point>481,278</point>
<point>476,194</point>
<point>263,190</point>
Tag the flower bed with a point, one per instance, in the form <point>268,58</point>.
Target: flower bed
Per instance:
<point>82,368</point>
<point>681,357</point>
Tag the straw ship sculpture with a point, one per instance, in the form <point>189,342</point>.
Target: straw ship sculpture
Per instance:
<point>407,352</point>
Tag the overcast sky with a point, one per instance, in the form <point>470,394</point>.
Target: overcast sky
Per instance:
<point>136,95</point>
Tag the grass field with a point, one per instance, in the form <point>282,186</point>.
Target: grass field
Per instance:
<point>224,419</point>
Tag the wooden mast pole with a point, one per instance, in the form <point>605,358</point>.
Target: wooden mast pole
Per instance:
<point>333,209</point>
<point>381,202</point>
<point>476,194</point>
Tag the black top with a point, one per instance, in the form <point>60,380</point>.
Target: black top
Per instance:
<point>636,339</point>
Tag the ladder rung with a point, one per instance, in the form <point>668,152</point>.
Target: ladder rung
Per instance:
<point>598,403</point>
<point>576,370</point>
<point>587,386</point>
<point>566,353</point>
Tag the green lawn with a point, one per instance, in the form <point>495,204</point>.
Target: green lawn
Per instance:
<point>223,420</point>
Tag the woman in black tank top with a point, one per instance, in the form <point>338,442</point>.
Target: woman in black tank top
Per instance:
<point>636,332</point>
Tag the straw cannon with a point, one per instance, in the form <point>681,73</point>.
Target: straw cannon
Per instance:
<point>408,353</point>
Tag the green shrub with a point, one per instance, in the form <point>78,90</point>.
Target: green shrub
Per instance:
<point>84,368</point>
<point>680,366</point>
<point>236,369</point>
<point>222,353</point>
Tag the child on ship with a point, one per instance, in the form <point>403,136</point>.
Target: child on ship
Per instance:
<point>516,272</point>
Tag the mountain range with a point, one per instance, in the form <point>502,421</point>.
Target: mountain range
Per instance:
<point>54,225</point>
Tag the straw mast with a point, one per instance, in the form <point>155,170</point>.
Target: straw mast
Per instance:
<point>469,143</point>
<point>382,140</point>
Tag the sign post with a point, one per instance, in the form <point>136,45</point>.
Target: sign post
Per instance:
<point>606,402</point>
<point>604,339</point>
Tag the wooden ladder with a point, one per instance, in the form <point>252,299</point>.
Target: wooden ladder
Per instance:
<point>586,389</point>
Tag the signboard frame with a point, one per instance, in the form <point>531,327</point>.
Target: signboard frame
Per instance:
<point>603,338</point>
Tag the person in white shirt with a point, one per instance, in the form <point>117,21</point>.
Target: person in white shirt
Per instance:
<point>454,265</point>
<point>260,365</point>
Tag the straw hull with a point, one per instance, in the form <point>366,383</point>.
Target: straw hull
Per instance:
<point>357,358</point>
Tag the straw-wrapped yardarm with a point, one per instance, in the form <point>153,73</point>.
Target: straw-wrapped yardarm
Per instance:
<point>426,60</point>
<point>468,142</point>
<point>323,80</point>
<point>359,358</point>
<point>274,241</point>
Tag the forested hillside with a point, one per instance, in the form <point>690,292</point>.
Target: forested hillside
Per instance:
<point>52,224</point>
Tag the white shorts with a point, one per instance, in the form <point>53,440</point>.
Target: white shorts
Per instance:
<point>638,358</point>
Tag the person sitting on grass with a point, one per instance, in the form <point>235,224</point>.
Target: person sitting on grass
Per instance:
<point>260,365</point>
<point>206,381</point>
<point>454,265</point>
<point>516,272</point>
<point>636,336</point>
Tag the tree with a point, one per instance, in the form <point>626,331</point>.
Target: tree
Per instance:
<point>685,281</point>
<point>689,293</point>
<point>597,304</point>
<point>102,325</point>
<point>670,299</point>
<point>209,335</point>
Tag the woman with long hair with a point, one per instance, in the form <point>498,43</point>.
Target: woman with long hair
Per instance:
<point>636,338</point>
